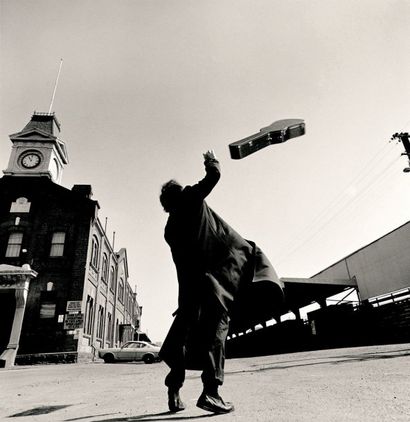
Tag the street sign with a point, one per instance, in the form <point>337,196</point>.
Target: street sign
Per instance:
<point>73,306</point>
<point>73,321</point>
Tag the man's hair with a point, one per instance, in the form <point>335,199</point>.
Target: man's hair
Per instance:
<point>170,193</point>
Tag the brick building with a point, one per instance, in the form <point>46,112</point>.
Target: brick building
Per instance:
<point>80,298</point>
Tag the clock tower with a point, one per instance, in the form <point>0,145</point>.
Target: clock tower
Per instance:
<point>37,149</point>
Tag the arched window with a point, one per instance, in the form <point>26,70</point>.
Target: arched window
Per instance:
<point>117,331</point>
<point>109,327</point>
<point>14,244</point>
<point>57,244</point>
<point>89,316</point>
<point>112,278</point>
<point>100,322</point>
<point>121,291</point>
<point>104,274</point>
<point>95,252</point>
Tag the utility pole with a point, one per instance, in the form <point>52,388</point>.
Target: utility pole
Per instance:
<point>404,138</point>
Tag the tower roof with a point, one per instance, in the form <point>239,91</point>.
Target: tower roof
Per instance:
<point>46,122</point>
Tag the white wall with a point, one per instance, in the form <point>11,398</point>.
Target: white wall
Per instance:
<point>381,267</point>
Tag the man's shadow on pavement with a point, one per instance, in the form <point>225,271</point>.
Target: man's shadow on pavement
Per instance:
<point>157,417</point>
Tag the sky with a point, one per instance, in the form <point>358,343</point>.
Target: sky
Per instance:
<point>147,86</point>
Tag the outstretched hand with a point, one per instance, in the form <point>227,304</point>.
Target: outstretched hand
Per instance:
<point>209,155</point>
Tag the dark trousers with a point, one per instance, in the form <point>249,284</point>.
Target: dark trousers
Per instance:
<point>198,335</point>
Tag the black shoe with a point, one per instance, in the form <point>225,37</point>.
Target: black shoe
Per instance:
<point>214,404</point>
<point>174,402</point>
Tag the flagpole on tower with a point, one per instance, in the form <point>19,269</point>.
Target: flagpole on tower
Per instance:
<point>55,86</point>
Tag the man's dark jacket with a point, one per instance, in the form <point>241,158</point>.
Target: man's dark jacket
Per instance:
<point>212,259</point>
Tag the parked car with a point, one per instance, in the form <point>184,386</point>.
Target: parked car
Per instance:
<point>131,351</point>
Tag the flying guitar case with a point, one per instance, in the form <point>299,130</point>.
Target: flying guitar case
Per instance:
<point>278,132</point>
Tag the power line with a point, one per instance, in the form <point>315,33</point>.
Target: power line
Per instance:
<point>358,196</point>
<point>365,171</point>
<point>340,198</point>
<point>379,191</point>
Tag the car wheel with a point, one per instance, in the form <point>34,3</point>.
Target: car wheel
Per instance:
<point>148,358</point>
<point>109,358</point>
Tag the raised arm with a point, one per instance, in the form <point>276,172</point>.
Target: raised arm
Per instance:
<point>213,173</point>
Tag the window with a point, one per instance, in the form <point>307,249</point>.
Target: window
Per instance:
<point>89,316</point>
<point>57,244</point>
<point>47,305</point>
<point>95,252</point>
<point>121,291</point>
<point>117,331</point>
<point>109,327</point>
<point>112,279</point>
<point>14,245</point>
<point>136,345</point>
<point>104,274</point>
<point>100,322</point>
<point>131,302</point>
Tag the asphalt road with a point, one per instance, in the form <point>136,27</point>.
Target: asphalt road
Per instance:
<point>355,384</point>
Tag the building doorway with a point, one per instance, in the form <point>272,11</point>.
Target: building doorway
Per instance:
<point>7,309</point>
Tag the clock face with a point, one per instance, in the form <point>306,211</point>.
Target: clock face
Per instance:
<point>30,160</point>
